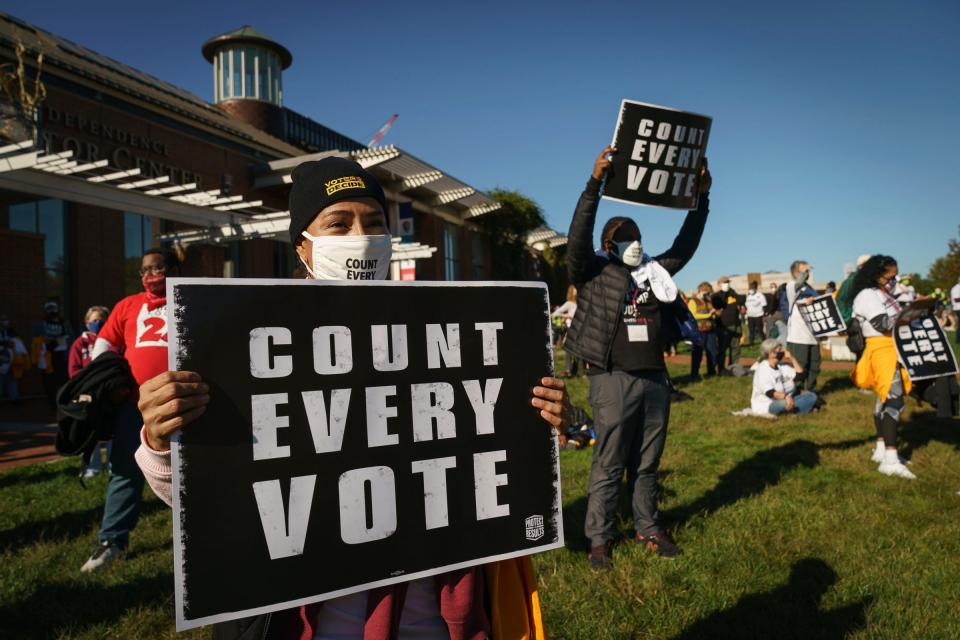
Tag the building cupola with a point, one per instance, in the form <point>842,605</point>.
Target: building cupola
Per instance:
<point>247,76</point>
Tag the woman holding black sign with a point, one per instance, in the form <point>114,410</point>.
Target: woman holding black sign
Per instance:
<point>339,230</point>
<point>617,332</point>
<point>879,368</point>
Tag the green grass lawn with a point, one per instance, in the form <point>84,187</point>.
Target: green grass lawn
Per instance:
<point>788,532</point>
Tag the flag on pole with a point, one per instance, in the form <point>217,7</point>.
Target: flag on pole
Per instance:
<point>382,132</point>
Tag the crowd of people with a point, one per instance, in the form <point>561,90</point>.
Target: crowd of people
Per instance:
<point>618,330</point>
<point>621,315</point>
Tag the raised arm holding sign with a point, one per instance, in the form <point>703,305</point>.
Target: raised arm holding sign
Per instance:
<point>623,321</point>
<point>660,154</point>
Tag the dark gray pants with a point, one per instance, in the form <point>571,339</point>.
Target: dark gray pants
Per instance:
<point>630,415</point>
<point>808,357</point>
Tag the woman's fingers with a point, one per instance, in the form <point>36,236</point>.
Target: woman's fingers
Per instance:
<point>169,376</point>
<point>168,402</point>
<point>174,390</point>
<point>180,406</point>
<point>167,428</point>
<point>169,385</point>
<point>158,433</point>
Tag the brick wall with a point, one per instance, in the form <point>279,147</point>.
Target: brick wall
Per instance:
<point>21,279</point>
<point>256,258</point>
<point>96,255</point>
<point>428,232</point>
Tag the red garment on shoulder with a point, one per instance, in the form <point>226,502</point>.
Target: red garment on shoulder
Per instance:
<point>138,329</point>
<point>462,607</point>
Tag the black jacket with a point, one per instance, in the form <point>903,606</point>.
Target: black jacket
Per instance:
<point>729,312</point>
<point>602,284</point>
<point>88,402</point>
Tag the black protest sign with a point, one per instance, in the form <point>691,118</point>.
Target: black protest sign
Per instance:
<point>924,349</point>
<point>822,316</point>
<point>659,153</point>
<point>357,436</point>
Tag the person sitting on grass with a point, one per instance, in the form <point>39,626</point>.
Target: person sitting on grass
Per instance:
<point>773,382</point>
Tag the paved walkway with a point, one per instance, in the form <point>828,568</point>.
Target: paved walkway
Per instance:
<point>27,433</point>
<point>26,443</point>
<point>826,365</point>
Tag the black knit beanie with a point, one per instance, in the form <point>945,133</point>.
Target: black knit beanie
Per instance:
<point>319,183</point>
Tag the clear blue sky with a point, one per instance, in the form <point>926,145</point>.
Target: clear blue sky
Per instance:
<point>835,124</point>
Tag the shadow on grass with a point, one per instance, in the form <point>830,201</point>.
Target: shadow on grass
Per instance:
<point>790,611</point>
<point>923,428</point>
<point>748,478</point>
<point>836,383</point>
<point>54,608</point>
<point>12,478</point>
<point>70,524</point>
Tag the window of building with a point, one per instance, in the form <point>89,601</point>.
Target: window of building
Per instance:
<point>236,67</point>
<point>277,95</point>
<point>249,89</point>
<point>247,72</point>
<point>478,257</point>
<point>46,217</point>
<point>216,78</point>
<point>451,252</point>
<point>224,69</point>
<point>268,70</point>
<point>137,238</point>
<point>259,70</point>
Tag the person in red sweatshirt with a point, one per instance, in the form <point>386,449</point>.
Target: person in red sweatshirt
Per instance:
<point>81,351</point>
<point>137,329</point>
<point>81,354</point>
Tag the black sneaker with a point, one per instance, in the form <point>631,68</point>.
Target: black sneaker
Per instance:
<point>660,543</point>
<point>600,557</point>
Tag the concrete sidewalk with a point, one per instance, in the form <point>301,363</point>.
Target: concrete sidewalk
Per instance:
<point>826,365</point>
<point>23,443</point>
<point>27,432</point>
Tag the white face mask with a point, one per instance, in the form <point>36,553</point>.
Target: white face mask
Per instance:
<point>629,252</point>
<point>350,257</point>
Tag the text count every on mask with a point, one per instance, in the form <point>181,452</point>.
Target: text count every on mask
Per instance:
<point>327,417</point>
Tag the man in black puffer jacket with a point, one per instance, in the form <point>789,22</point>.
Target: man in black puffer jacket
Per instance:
<point>617,333</point>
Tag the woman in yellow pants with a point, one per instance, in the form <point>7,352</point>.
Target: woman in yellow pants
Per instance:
<point>879,367</point>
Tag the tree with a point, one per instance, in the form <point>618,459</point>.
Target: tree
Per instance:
<point>508,228</point>
<point>946,269</point>
<point>18,109</point>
